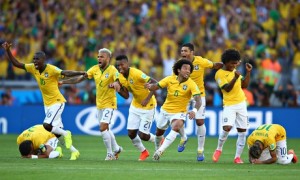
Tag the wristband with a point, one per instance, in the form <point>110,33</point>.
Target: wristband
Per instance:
<point>34,157</point>
<point>195,110</point>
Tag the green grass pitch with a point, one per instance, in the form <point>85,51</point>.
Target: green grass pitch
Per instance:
<point>172,165</point>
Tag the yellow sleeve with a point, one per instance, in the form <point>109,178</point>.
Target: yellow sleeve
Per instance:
<point>90,72</point>
<point>164,82</point>
<point>220,79</point>
<point>29,67</point>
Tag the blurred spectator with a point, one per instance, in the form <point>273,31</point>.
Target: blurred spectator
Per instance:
<point>72,95</point>
<point>168,63</point>
<point>249,97</point>
<point>88,96</point>
<point>151,31</point>
<point>296,64</point>
<point>287,95</point>
<point>6,98</point>
<point>271,69</point>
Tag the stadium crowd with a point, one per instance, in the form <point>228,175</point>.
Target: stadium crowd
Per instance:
<point>150,33</point>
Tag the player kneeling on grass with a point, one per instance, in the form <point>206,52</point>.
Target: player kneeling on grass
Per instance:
<point>36,142</point>
<point>180,89</point>
<point>267,145</point>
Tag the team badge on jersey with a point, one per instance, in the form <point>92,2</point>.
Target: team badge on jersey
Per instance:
<point>144,76</point>
<point>196,67</point>
<point>225,120</point>
<point>184,87</point>
<point>106,75</point>
<point>46,74</point>
<point>219,81</point>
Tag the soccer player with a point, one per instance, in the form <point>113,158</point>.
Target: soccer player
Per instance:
<point>143,105</point>
<point>180,89</point>
<point>267,145</point>
<point>36,142</point>
<point>47,77</point>
<point>231,83</point>
<point>200,64</point>
<point>104,76</point>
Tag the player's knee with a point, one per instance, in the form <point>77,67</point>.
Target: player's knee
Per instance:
<point>227,128</point>
<point>103,127</point>
<point>143,136</point>
<point>131,134</point>
<point>200,122</point>
<point>159,132</point>
<point>48,127</point>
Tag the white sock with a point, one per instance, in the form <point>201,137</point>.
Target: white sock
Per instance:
<point>137,142</point>
<point>157,141</point>
<point>73,149</point>
<point>152,138</point>
<point>58,131</point>
<point>222,139</point>
<point>114,143</point>
<point>240,144</point>
<point>168,140</point>
<point>182,133</point>
<point>287,159</point>
<point>107,141</point>
<point>53,154</point>
<point>201,131</point>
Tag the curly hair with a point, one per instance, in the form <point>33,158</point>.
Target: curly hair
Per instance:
<point>178,65</point>
<point>230,55</point>
<point>25,147</point>
<point>255,151</point>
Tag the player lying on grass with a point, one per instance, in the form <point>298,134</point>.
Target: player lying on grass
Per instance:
<point>36,142</point>
<point>267,145</point>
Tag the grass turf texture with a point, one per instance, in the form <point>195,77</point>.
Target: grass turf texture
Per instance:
<point>172,165</point>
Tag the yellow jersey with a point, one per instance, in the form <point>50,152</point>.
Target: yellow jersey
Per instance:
<point>135,84</point>
<point>48,83</point>
<point>179,94</point>
<point>197,75</point>
<point>236,95</point>
<point>105,96</point>
<point>268,134</point>
<point>37,134</point>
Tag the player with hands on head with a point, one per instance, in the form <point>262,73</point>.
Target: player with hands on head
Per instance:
<point>36,142</point>
<point>267,145</point>
<point>180,89</point>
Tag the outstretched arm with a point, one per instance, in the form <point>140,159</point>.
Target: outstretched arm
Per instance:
<point>68,73</point>
<point>11,58</point>
<point>74,80</point>
<point>217,65</point>
<point>151,87</point>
